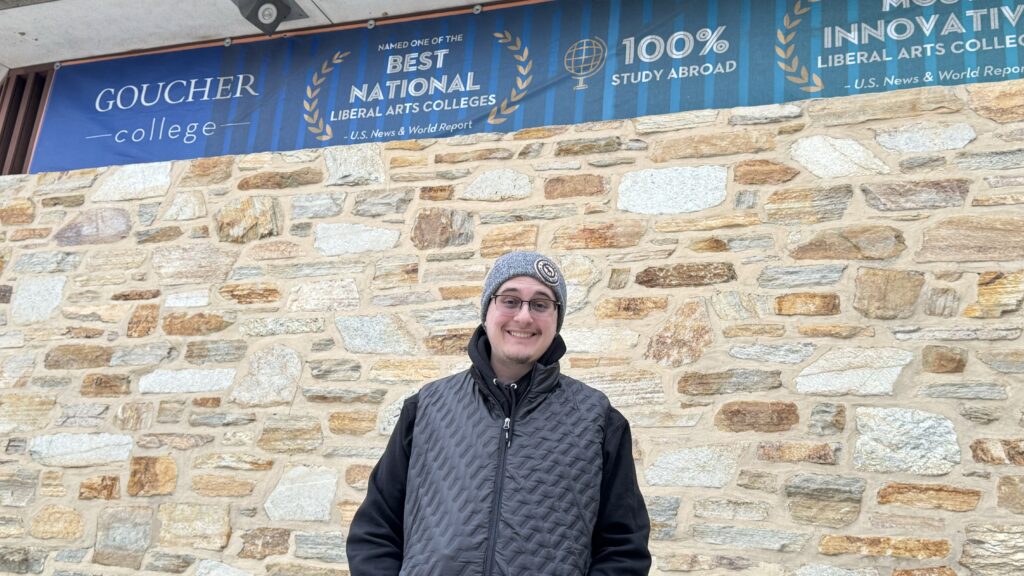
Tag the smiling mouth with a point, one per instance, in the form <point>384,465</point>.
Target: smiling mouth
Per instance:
<point>520,334</point>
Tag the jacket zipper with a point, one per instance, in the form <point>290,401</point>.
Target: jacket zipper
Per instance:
<point>504,444</point>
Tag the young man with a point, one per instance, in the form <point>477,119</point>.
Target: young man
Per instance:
<point>509,468</point>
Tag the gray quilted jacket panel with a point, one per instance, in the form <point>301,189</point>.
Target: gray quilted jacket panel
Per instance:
<point>549,485</point>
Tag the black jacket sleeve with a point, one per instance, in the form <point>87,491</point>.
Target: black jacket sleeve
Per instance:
<point>375,539</point>
<point>619,545</point>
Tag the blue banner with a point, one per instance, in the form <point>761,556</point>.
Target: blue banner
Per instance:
<point>561,62</point>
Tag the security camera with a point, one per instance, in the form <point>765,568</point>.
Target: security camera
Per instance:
<point>266,15</point>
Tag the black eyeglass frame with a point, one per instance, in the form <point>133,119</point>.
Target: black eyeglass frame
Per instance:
<point>529,303</point>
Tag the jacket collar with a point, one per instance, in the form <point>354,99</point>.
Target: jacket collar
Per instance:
<point>534,385</point>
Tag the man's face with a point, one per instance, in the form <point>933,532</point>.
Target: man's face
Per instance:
<point>520,337</point>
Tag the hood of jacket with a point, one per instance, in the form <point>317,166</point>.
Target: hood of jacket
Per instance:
<point>531,388</point>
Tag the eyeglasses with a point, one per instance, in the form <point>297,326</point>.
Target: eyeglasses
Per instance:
<point>508,304</point>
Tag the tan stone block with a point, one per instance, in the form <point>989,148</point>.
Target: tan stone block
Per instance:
<point>24,413</point>
<point>402,370</point>
<point>684,337</point>
<point>714,144</point>
<point>258,293</point>
<point>868,242</point>
<point>105,385</point>
<point>281,180</point>
<point>157,235</point>
<point>808,205</point>
<point>51,484</point>
<point>754,331</point>
<point>998,293</point>
<point>358,475</point>
<point>77,357</point>
<point>898,104</point>
<point>441,228</point>
<point>919,548</point>
<point>437,193</point>
<point>762,172</point>
<point>17,211</point>
<point>134,416</point>
<point>1010,493</point>
<point>275,250</point>
<point>82,332</point>
<point>291,434</point>
<point>460,292</point>
<point>686,275</point>
<point>943,359</point>
<point>152,476</point>
<point>814,453</point>
<point>452,342</point>
<point>143,320</point>
<point>203,526</point>
<point>538,133</point>
<point>251,218</point>
<point>136,295</point>
<point>215,351</point>
<point>347,511</point>
<point>178,441</point>
<point>207,402</point>
<point>110,313</point>
<point>208,171</point>
<point>618,279</point>
<point>11,527</point>
<point>100,488</point>
<point>709,245</point>
<point>998,451</point>
<point>843,331</point>
<point>807,304</point>
<point>73,201</point>
<point>744,416</point>
<point>575,186</point>
<point>973,239</point>
<point>23,234</point>
<point>588,146</point>
<point>407,161</point>
<point>232,461</point>
<point>473,156</point>
<point>57,523</point>
<point>217,486</point>
<point>1008,199</point>
<point>509,238</point>
<point>887,294</point>
<point>262,542</point>
<point>1001,101</point>
<point>199,324</point>
<point>930,496</point>
<point>352,422</point>
<point>619,234</point>
<point>737,220</point>
<point>630,308</point>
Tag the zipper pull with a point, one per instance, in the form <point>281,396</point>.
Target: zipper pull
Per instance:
<point>506,427</point>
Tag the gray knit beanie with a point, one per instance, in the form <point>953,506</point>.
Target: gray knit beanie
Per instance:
<point>530,264</point>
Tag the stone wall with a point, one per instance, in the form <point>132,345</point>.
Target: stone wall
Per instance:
<point>811,314</point>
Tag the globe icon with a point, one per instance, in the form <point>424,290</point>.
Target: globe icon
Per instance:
<point>585,58</point>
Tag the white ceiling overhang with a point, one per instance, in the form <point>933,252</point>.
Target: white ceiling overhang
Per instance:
<point>34,32</point>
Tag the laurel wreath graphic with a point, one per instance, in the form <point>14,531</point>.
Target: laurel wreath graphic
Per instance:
<point>311,102</point>
<point>790,62</point>
<point>522,54</point>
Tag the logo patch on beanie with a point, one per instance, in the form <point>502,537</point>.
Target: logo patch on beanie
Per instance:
<point>546,271</point>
